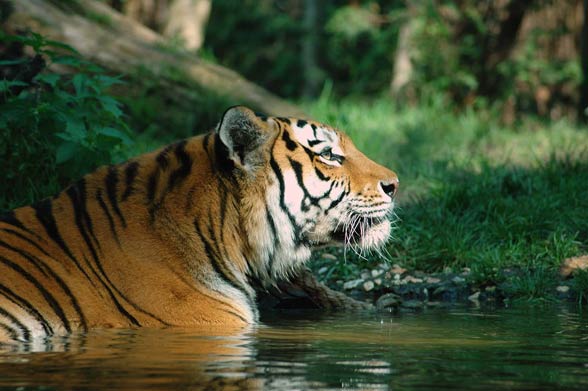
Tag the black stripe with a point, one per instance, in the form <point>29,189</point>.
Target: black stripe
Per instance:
<point>111,181</point>
<point>48,272</point>
<point>80,191</point>
<point>320,175</point>
<point>131,171</point>
<point>297,167</point>
<point>206,142</point>
<point>215,259</point>
<point>275,167</point>
<point>44,213</point>
<point>27,307</point>
<point>312,143</point>
<point>151,189</point>
<point>162,157</point>
<point>182,172</point>
<point>10,331</point>
<point>26,333</point>
<point>291,145</point>
<point>102,205</point>
<point>301,123</point>
<point>10,218</point>
<point>40,266</point>
<point>48,297</point>
<point>79,219</point>
<point>29,241</point>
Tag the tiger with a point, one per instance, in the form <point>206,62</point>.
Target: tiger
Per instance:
<point>184,236</point>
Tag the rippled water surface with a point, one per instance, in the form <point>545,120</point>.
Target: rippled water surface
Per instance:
<point>510,349</point>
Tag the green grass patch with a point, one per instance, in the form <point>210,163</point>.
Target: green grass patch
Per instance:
<point>475,193</point>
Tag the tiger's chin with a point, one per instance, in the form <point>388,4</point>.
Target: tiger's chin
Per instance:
<point>364,238</point>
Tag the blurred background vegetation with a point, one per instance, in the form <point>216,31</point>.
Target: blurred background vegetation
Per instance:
<point>479,106</point>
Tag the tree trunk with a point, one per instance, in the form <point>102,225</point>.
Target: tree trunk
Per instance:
<point>402,72</point>
<point>583,104</point>
<point>312,72</point>
<point>122,45</point>
<point>186,20</point>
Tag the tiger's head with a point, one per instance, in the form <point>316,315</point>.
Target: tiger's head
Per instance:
<point>304,185</point>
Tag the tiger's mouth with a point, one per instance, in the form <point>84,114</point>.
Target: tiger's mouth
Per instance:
<point>363,232</point>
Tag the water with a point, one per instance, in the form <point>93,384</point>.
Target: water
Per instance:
<point>510,349</point>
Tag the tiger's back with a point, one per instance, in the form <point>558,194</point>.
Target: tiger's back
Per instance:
<point>177,237</point>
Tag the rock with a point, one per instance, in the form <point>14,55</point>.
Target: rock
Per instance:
<point>562,289</point>
<point>466,271</point>
<point>432,280</point>
<point>365,275</point>
<point>323,270</point>
<point>396,269</point>
<point>570,265</point>
<point>490,289</point>
<point>474,297</point>
<point>458,280</point>
<point>389,300</point>
<point>352,284</point>
<point>376,272</point>
<point>412,305</point>
<point>378,281</point>
<point>412,280</point>
<point>384,266</point>
<point>328,256</point>
<point>368,286</point>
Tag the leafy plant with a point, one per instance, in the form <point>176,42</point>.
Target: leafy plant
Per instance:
<point>54,127</point>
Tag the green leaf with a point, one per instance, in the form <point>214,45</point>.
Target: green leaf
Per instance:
<point>65,152</point>
<point>14,62</point>
<point>115,133</point>
<point>79,82</point>
<point>76,128</point>
<point>48,78</point>
<point>111,105</point>
<point>6,85</point>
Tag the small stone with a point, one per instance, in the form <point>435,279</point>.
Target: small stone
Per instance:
<point>490,289</point>
<point>378,281</point>
<point>562,289</point>
<point>397,277</point>
<point>368,286</point>
<point>328,256</point>
<point>339,282</point>
<point>376,272</point>
<point>365,275</point>
<point>384,266</point>
<point>412,280</point>
<point>466,271</point>
<point>458,280</point>
<point>323,270</point>
<point>397,269</point>
<point>432,280</point>
<point>388,300</point>
<point>413,305</point>
<point>352,284</point>
<point>474,297</point>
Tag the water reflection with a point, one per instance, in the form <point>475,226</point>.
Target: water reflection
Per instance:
<point>529,348</point>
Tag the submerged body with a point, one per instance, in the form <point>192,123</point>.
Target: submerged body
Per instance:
<point>183,235</point>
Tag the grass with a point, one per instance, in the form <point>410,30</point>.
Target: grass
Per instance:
<point>473,192</point>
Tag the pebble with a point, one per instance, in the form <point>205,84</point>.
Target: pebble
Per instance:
<point>490,289</point>
<point>365,275</point>
<point>352,284</point>
<point>388,300</point>
<point>411,279</point>
<point>368,286</point>
<point>432,280</point>
<point>413,304</point>
<point>397,269</point>
<point>378,281</point>
<point>474,297</point>
<point>458,280</point>
<point>323,270</point>
<point>376,272</point>
<point>329,256</point>
<point>562,289</point>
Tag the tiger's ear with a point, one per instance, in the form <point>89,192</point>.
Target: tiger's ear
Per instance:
<point>244,134</point>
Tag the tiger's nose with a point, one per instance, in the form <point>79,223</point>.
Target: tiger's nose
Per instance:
<point>389,187</point>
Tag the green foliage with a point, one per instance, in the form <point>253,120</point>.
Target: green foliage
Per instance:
<point>473,193</point>
<point>580,285</point>
<point>54,127</point>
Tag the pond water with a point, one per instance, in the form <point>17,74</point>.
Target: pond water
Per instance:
<point>511,349</point>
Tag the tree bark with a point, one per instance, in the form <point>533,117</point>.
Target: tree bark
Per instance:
<point>120,44</point>
<point>186,20</point>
